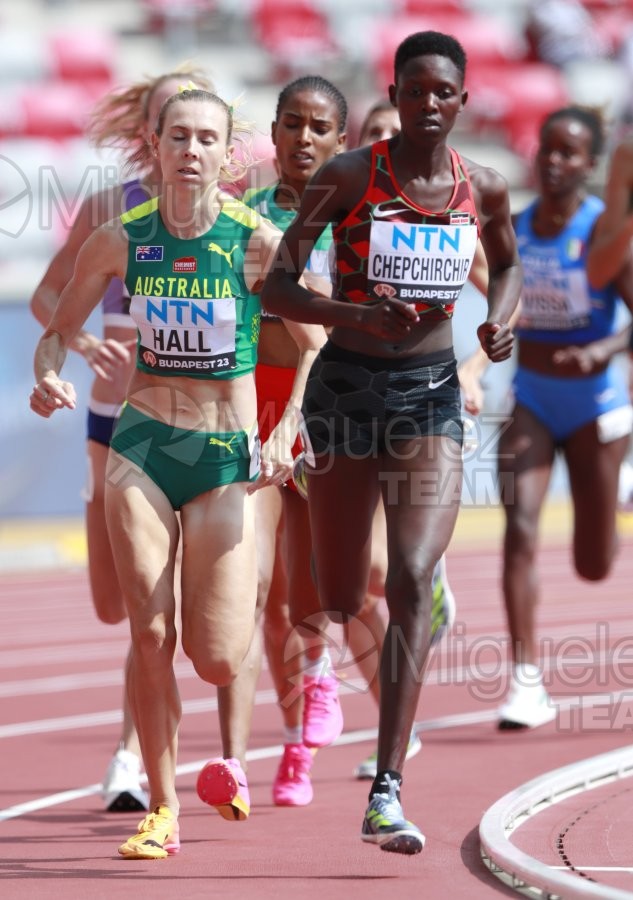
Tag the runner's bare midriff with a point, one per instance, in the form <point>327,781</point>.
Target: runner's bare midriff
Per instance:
<point>199,404</point>
<point>538,356</point>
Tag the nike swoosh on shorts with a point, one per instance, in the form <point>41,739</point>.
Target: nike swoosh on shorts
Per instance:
<point>435,384</point>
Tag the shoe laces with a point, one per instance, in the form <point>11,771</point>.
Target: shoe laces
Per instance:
<point>294,763</point>
<point>389,803</point>
<point>156,819</point>
<point>320,694</point>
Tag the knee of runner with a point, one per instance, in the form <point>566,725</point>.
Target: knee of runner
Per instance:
<point>220,672</point>
<point>153,644</point>
<point>110,611</point>
<point>110,616</point>
<point>592,568</point>
<point>408,588</point>
<point>521,533</point>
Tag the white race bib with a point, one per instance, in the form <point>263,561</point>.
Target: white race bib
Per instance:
<point>183,335</point>
<point>416,262</point>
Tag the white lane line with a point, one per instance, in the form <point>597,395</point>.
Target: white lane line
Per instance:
<point>350,737</point>
<point>41,656</point>
<point>109,717</point>
<point>456,720</point>
<point>456,675</point>
<point>470,638</point>
<point>595,868</point>
<point>59,684</point>
<point>112,716</point>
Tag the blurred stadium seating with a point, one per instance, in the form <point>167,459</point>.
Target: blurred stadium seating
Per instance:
<point>292,31</point>
<point>58,56</point>
<point>487,41</point>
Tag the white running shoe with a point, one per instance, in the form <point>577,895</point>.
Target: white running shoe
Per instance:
<point>528,705</point>
<point>625,487</point>
<point>367,770</point>
<point>121,789</point>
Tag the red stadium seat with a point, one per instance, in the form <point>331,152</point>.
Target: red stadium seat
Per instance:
<point>57,109</point>
<point>430,6</point>
<point>516,98</point>
<point>295,32</point>
<point>85,56</point>
<point>601,5</point>
<point>613,26</point>
<point>162,14</point>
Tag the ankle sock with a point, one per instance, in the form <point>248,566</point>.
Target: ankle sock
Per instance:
<point>380,784</point>
<point>320,667</point>
<point>527,674</point>
<point>293,735</point>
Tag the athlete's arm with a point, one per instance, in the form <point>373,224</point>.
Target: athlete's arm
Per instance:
<point>593,356</point>
<point>610,247</point>
<point>102,257</point>
<point>504,266</point>
<point>277,452</point>
<point>100,355</point>
<point>335,189</point>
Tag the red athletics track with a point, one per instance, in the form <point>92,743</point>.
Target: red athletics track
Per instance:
<point>60,687</point>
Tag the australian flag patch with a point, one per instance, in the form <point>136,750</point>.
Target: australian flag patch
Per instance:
<point>151,253</point>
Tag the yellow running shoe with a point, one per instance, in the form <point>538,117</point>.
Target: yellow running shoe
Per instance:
<point>157,836</point>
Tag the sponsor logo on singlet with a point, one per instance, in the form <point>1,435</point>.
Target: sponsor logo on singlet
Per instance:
<point>225,254</point>
<point>185,264</point>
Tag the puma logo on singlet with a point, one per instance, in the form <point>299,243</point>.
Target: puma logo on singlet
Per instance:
<point>215,248</point>
<point>219,443</point>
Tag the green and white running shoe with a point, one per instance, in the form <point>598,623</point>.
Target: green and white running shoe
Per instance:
<point>443,609</point>
<point>299,476</point>
<point>366,771</point>
<point>384,824</point>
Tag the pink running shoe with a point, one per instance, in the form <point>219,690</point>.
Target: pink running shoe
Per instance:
<point>292,785</point>
<point>322,713</point>
<point>222,783</point>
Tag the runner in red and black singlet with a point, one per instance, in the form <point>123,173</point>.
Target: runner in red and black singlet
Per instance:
<point>382,405</point>
<point>412,270</point>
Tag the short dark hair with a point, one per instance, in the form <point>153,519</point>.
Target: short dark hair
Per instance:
<point>430,43</point>
<point>592,119</point>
